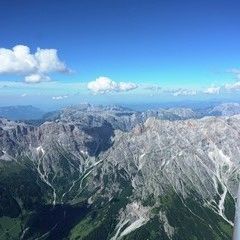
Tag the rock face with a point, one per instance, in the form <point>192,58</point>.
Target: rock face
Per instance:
<point>120,118</point>
<point>226,109</point>
<point>118,174</point>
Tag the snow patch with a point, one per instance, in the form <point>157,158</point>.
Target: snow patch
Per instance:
<point>141,161</point>
<point>40,150</point>
<point>85,153</point>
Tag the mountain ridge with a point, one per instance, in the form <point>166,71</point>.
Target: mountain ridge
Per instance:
<point>129,179</point>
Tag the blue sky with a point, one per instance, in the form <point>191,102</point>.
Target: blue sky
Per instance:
<point>183,47</point>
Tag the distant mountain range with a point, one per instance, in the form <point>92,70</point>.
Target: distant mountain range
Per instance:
<point>92,172</point>
<point>29,112</point>
<point>21,112</point>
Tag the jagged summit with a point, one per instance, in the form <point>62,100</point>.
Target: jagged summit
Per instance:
<point>226,109</point>
<point>138,173</point>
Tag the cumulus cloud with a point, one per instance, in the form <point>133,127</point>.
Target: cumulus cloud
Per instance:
<point>36,78</point>
<point>59,97</point>
<point>105,84</point>
<point>35,67</point>
<point>212,90</point>
<point>233,86</point>
<point>184,92</point>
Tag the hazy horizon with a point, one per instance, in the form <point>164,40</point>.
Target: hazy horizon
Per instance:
<point>118,51</point>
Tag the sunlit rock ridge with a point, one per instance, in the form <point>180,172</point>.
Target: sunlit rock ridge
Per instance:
<point>113,173</point>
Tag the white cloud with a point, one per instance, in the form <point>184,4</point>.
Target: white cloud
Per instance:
<point>126,86</point>
<point>24,95</point>
<point>34,66</point>
<point>184,92</point>
<point>236,85</point>
<point>59,97</point>
<point>36,78</point>
<point>212,90</point>
<point>233,86</point>
<point>105,84</point>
